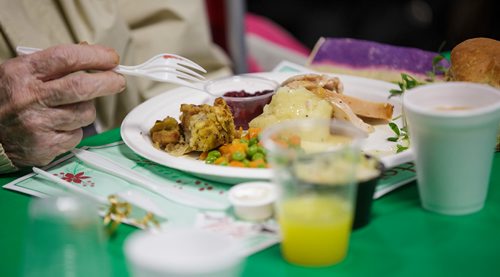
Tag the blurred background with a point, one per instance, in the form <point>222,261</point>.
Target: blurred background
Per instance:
<point>423,24</point>
<point>258,34</point>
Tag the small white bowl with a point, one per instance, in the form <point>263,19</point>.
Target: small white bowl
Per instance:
<point>183,252</point>
<point>253,200</point>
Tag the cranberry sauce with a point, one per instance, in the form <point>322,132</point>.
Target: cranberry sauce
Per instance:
<point>246,106</point>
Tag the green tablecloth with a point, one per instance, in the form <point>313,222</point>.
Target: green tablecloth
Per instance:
<point>402,239</point>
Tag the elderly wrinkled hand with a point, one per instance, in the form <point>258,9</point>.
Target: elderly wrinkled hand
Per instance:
<point>46,99</point>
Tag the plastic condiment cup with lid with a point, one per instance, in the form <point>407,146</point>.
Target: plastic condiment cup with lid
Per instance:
<point>183,252</point>
<point>253,200</point>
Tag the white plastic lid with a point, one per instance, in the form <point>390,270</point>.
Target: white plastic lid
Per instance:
<point>183,251</point>
<point>252,194</point>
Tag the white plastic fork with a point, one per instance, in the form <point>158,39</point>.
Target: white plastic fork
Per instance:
<point>164,67</point>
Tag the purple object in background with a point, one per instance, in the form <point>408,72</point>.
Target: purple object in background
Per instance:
<point>371,59</point>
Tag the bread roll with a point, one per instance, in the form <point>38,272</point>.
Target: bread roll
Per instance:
<point>476,60</point>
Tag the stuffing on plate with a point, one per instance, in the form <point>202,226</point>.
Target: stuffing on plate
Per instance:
<point>202,128</point>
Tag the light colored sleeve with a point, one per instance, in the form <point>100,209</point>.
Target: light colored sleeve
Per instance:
<point>6,164</point>
<point>136,29</point>
<point>140,30</point>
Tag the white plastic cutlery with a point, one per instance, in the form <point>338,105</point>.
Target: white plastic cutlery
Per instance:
<point>162,188</point>
<point>163,67</point>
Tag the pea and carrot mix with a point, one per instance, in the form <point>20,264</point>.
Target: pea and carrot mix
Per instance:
<point>245,151</point>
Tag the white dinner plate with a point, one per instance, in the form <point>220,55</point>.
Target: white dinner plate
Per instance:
<point>135,129</point>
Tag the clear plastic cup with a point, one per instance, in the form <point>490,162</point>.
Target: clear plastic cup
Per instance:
<point>314,164</point>
<point>65,238</point>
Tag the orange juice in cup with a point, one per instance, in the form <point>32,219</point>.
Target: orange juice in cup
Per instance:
<point>315,177</point>
<point>322,223</point>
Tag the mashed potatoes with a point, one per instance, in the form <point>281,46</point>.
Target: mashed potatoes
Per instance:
<point>292,104</point>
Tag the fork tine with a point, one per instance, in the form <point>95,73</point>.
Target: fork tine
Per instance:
<point>185,76</point>
<point>175,67</point>
<point>189,71</point>
<point>181,80</point>
<point>182,75</point>
<point>174,80</point>
<point>176,73</point>
<point>172,59</point>
<point>185,61</point>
